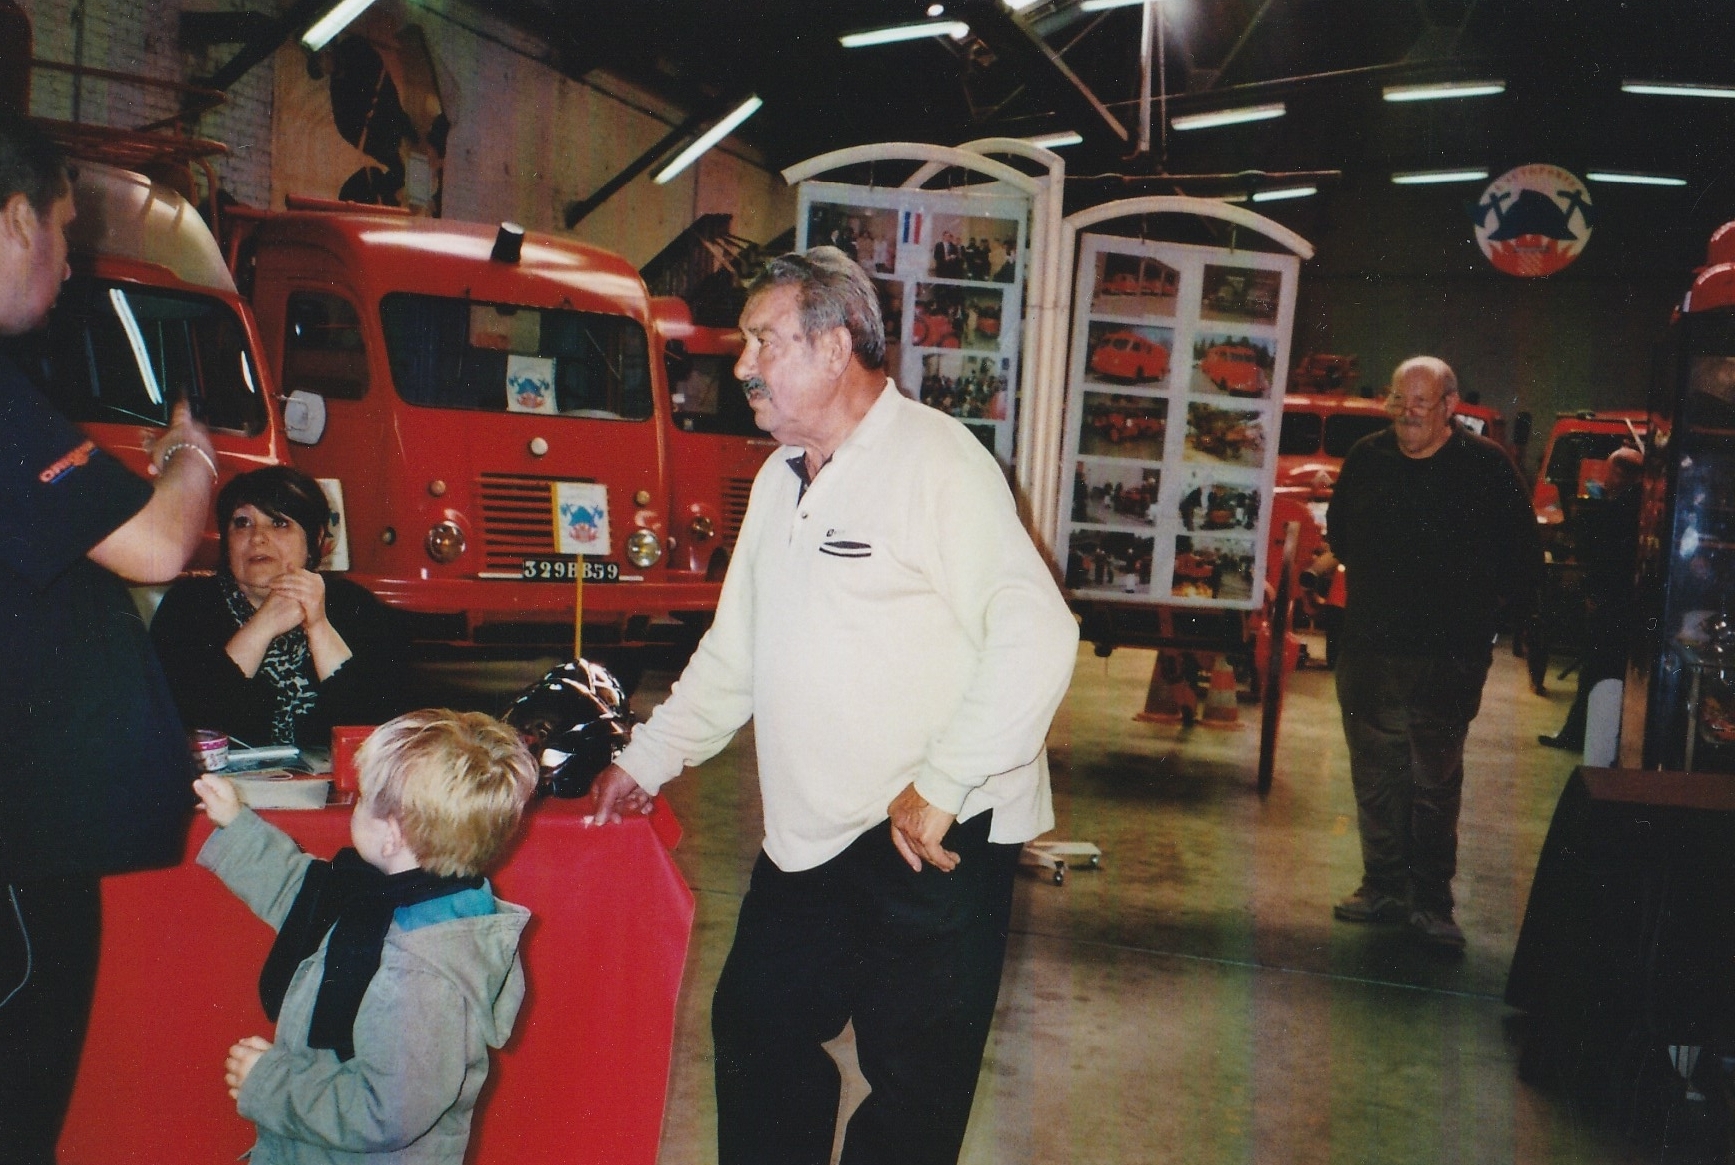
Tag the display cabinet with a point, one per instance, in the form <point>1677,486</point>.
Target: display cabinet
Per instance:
<point>1679,708</point>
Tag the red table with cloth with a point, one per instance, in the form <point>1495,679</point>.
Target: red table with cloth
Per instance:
<point>583,1078</point>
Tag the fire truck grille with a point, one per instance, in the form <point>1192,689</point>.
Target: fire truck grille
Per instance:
<point>517,520</point>
<point>735,491</point>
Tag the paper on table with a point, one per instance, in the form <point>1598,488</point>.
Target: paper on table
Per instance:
<point>283,790</point>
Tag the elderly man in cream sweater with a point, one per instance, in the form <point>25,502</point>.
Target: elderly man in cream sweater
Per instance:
<point>901,647</point>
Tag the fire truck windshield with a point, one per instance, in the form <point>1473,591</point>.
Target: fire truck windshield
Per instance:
<point>707,398</point>
<point>1346,429</point>
<point>1299,436</point>
<point>459,354</point>
<point>123,354</point>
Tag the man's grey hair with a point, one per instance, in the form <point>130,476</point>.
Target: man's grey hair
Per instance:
<point>834,292</point>
<point>1435,367</point>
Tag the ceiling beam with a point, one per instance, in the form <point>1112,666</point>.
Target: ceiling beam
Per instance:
<point>1018,45</point>
<point>265,40</point>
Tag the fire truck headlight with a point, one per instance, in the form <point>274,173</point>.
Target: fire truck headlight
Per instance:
<point>445,542</point>
<point>702,528</point>
<point>643,549</point>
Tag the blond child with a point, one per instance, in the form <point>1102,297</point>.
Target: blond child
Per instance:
<point>395,968</point>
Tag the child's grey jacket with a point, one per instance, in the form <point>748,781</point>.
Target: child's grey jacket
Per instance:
<point>444,994</point>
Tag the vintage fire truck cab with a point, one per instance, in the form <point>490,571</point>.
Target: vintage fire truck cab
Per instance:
<point>715,449</point>
<point>1576,455</point>
<point>489,402</point>
<point>150,317</point>
<point>1319,428</point>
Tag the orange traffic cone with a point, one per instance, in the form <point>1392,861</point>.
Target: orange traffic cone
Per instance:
<point>1170,698</point>
<point>1221,709</point>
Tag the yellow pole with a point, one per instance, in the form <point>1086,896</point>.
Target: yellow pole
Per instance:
<point>578,609</point>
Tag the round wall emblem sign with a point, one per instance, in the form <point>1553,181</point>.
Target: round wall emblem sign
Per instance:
<point>1533,220</point>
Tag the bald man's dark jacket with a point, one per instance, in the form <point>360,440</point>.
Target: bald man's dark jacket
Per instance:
<point>1436,548</point>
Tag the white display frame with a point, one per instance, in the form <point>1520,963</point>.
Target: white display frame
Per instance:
<point>1185,457</point>
<point>917,214</point>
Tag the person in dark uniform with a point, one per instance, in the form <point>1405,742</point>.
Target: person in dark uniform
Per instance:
<point>1609,550</point>
<point>94,768</point>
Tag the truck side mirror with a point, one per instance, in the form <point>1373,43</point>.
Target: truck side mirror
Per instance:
<point>304,417</point>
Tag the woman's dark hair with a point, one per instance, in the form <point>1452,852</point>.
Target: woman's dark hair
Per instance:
<point>278,492</point>
<point>30,164</point>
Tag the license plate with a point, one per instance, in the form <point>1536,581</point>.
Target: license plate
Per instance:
<point>565,570</point>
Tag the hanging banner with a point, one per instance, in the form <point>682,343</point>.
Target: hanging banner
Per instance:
<point>1179,357</point>
<point>1534,220</point>
<point>950,269</point>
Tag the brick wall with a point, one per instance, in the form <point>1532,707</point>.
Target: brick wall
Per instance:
<point>525,140</point>
<point>141,37</point>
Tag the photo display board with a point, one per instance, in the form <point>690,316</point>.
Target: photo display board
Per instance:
<point>950,269</point>
<point>1179,358</point>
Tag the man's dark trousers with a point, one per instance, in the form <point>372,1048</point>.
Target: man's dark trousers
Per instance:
<point>54,957</point>
<point>912,959</point>
<point>1405,718</point>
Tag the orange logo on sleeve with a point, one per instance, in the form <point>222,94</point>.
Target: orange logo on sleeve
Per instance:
<point>67,464</point>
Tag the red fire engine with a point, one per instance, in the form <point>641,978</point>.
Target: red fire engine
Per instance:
<point>491,404</point>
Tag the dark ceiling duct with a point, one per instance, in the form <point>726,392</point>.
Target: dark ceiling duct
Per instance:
<point>1018,46</point>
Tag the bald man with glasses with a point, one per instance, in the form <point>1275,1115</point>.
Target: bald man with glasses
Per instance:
<point>1436,532</point>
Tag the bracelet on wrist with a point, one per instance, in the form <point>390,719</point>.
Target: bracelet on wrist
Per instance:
<point>169,453</point>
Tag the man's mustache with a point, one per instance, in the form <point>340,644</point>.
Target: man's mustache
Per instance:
<point>755,387</point>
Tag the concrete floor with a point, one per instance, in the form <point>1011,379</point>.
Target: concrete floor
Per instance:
<point>1193,1000</point>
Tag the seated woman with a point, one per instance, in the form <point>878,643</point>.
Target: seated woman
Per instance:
<point>266,650</point>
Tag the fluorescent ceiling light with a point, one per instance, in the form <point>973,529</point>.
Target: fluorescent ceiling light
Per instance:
<point>1018,5</point>
<point>1428,177</point>
<point>328,26</point>
<point>1276,195</point>
<point>1054,141</point>
<point>1675,89</point>
<point>1228,116</point>
<point>956,29</point>
<point>708,139</point>
<point>1444,90</point>
<point>1101,5</point>
<point>1632,179</point>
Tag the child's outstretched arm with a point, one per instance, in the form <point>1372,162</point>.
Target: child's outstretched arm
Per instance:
<point>255,859</point>
<point>218,798</point>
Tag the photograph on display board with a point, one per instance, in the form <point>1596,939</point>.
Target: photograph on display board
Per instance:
<point>965,386</point>
<point>987,433</point>
<point>1224,436</point>
<point>1133,285</point>
<point>1210,503</point>
<point>1111,562</point>
<point>983,249</point>
<point>1115,493</point>
<point>1213,566</point>
<point>891,295</point>
<point>949,316</point>
<point>1235,365</point>
<point>1242,294</point>
<point>1128,354</point>
<point>867,234</point>
<point>1119,425</point>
